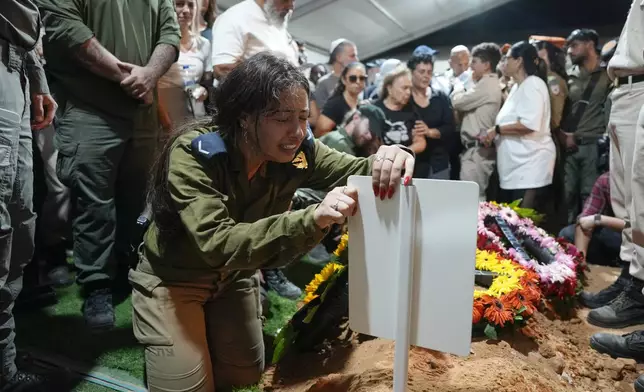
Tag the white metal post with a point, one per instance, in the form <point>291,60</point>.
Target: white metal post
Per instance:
<point>406,223</point>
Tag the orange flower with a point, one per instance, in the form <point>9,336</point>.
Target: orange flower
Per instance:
<point>531,290</point>
<point>477,311</point>
<point>531,276</point>
<point>499,313</point>
<point>517,300</point>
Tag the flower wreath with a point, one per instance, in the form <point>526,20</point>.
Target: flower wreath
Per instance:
<point>511,298</point>
<point>557,275</point>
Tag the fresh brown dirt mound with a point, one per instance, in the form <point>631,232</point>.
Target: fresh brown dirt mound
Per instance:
<point>549,355</point>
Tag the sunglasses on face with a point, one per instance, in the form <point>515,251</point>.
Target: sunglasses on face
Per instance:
<point>355,78</point>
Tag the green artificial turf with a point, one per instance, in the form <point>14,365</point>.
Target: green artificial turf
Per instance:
<point>60,330</point>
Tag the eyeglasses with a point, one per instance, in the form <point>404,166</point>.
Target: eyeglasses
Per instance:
<point>355,78</point>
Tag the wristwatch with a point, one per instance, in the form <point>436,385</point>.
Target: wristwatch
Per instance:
<point>597,220</point>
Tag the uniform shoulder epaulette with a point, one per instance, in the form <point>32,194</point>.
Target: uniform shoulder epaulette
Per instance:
<point>208,145</point>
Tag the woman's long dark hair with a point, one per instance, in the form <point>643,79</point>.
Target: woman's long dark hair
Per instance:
<point>340,87</point>
<point>556,57</point>
<point>532,63</point>
<point>210,14</point>
<point>250,90</point>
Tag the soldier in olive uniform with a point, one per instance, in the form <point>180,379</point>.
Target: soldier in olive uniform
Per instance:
<point>220,199</point>
<point>587,120</point>
<point>104,59</point>
<point>555,59</point>
<point>25,104</point>
<point>358,135</point>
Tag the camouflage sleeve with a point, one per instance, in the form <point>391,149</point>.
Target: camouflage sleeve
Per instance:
<point>222,242</point>
<point>332,168</point>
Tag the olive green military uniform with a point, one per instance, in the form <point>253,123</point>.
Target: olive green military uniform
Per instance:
<point>558,95</point>
<point>106,139</point>
<point>196,300</point>
<point>339,140</point>
<point>581,166</point>
<point>21,77</point>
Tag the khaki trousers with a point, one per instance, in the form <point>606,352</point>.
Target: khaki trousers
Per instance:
<point>199,337</point>
<point>627,171</point>
<point>477,165</point>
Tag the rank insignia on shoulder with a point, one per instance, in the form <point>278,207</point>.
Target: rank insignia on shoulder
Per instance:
<point>554,88</point>
<point>208,145</point>
<point>300,161</point>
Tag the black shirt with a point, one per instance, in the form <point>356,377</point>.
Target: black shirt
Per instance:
<point>401,124</point>
<point>336,108</point>
<point>438,114</point>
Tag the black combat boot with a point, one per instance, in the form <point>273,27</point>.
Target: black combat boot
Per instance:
<point>639,384</point>
<point>277,282</point>
<point>625,310</point>
<point>607,295</point>
<point>98,310</point>
<point>630,345</point>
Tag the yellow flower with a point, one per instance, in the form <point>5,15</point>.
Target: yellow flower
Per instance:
<point>509,274</point>
<point>344,242</point>
<point>504,285</point>
<point>327,272</point>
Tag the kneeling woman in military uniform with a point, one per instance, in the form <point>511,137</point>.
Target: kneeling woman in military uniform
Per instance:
<point>220,197</point>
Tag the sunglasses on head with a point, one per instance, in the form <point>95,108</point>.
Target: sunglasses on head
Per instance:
<point>355,78</point>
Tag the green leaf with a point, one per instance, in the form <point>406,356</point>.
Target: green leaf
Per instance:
<point>283,341</point>
<point>523,309</point>
<point>490,332</point>
<point>518,318</point>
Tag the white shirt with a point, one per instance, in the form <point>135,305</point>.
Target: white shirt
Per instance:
<point>629,54</point>
<point>526,161</point>
<point>188,71</point>
<point>244,30</point>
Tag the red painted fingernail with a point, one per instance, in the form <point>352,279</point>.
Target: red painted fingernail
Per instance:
<point>391,192</point>
<point>376,190</point>
<point>383,193</point>
<point>407,181</point>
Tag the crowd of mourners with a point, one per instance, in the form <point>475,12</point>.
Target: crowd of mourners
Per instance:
<point>183,156</point>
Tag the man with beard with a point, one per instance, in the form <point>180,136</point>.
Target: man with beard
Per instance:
<point>588,86</point>
<point>248,28</point>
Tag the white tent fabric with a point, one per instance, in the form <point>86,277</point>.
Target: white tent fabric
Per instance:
<point>374,25</point>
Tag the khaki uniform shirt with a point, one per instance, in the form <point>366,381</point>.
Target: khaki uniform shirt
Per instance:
<point>130,30</point>
<point>339,140</point>
<point>558,95</point>
<point>230,223</point>
<point>478,106</point>
<point>593,123</point>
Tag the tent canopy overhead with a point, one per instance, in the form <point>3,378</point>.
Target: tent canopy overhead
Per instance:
<point>375,25</point>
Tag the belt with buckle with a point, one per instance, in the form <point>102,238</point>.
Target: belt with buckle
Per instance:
<point>583,140</point>
<point>471,144</point>
<point>629,80</point>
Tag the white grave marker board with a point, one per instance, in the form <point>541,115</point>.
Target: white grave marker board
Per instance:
<point>442,266</point>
